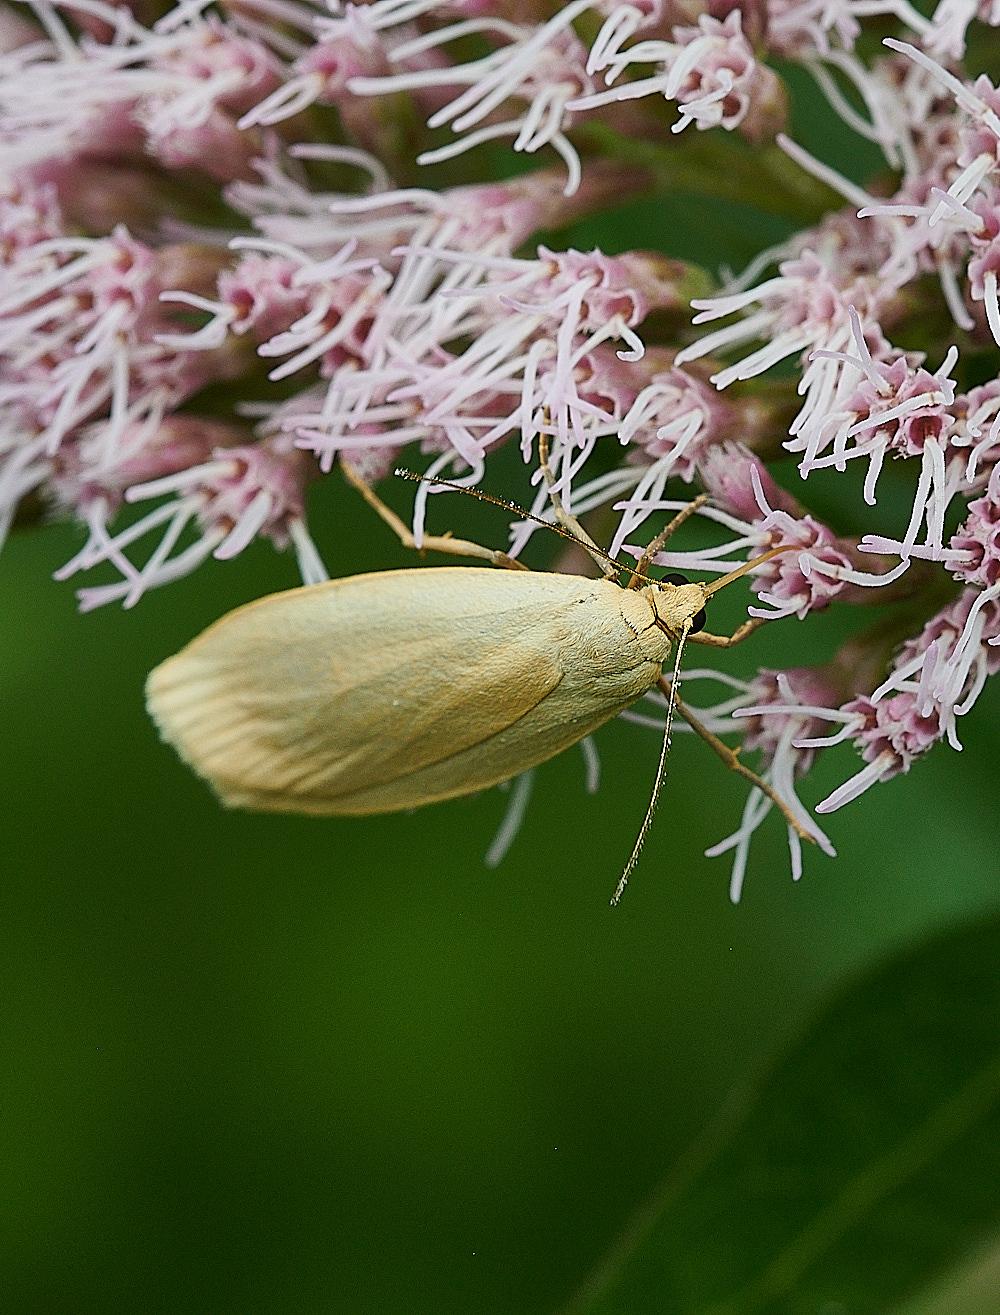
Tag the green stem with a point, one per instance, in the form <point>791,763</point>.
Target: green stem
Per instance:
<point>717,165</point>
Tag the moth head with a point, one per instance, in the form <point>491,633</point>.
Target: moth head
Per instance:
<point>677,602</point>
<point>680,606</point>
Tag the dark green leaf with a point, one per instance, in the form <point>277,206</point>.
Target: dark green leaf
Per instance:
<point>865,1162</point>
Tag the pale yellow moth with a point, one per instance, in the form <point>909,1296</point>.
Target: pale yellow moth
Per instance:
<point>394,689</point>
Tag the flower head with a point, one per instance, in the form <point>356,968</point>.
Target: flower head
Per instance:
<point>220,276</point>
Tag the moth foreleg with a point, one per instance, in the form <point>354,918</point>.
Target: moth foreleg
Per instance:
<point>566,519</point>
<point>654,546</point>
<point>731,759</point>
<point>727,641</point>
<point>435,542</point>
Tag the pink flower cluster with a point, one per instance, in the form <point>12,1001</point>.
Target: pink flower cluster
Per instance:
<point>296,205</point>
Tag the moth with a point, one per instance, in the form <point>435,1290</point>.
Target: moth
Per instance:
<point>390,690</point>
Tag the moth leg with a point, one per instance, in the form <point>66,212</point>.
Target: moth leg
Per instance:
<point>566,519</point>
<point>727,641</point>
<point>436,542</point>
<point>731,759</point>
<point>654,546</point>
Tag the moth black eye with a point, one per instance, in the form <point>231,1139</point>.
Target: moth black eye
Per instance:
<point>675,577</point>
<point>698,623</point>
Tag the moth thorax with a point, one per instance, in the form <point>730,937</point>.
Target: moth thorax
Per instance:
<point>676,603</point>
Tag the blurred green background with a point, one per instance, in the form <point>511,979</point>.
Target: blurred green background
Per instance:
<point>271,1064</point>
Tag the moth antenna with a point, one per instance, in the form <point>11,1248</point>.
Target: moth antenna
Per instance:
<point>714,587</point>
<point>403,473</point>
<point>723,580</point>
<point>660,770</point>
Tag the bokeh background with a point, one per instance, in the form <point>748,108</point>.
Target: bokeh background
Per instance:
<point>271,1064</point>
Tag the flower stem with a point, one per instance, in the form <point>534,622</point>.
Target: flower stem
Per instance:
<point>717,165</point>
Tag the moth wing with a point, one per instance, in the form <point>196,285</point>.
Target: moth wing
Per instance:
<point>303,699</point>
